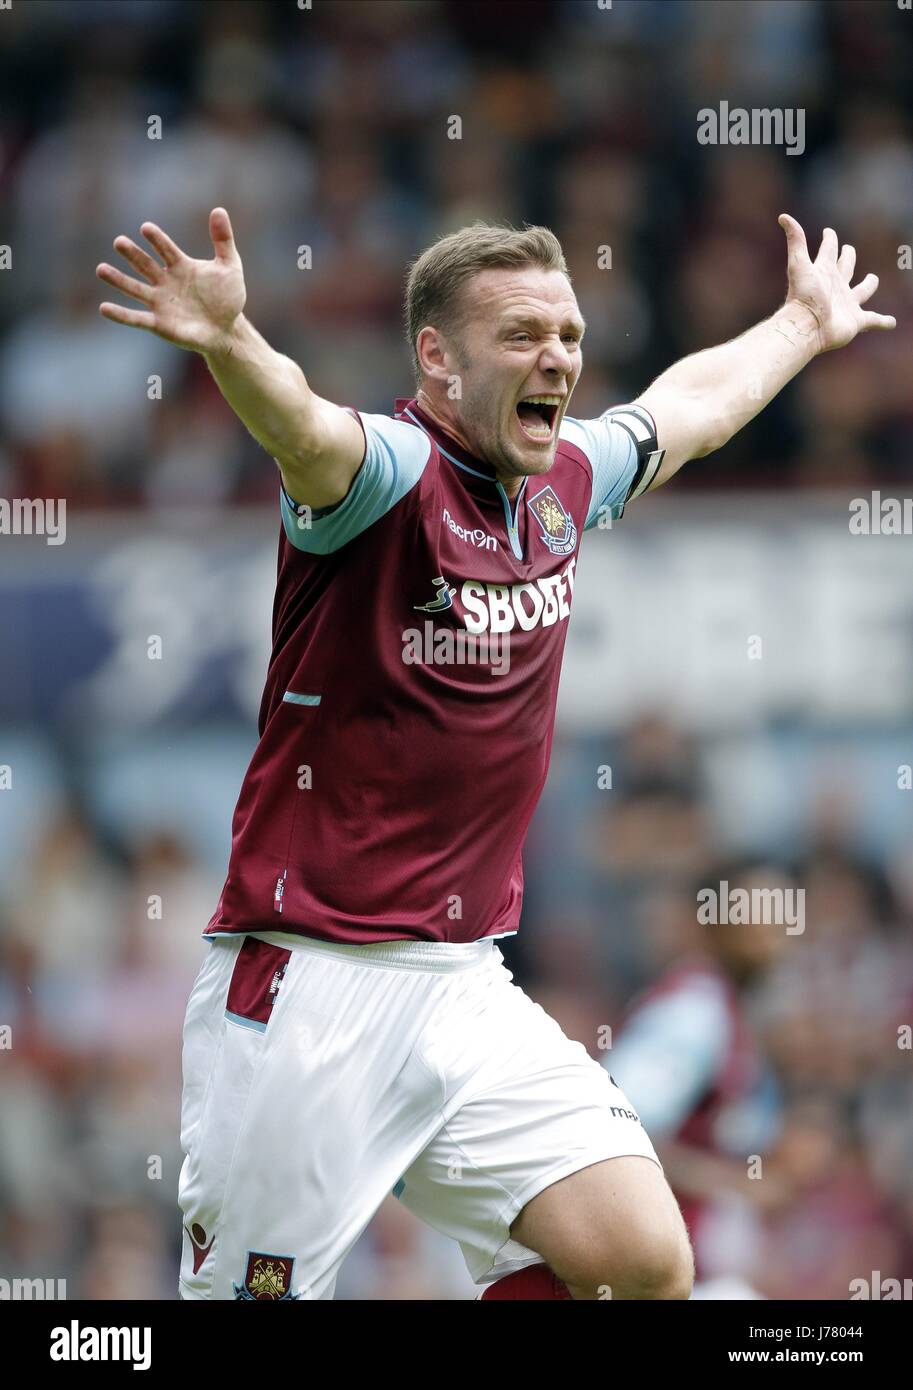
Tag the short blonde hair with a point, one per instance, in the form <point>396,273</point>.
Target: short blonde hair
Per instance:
<point>437,277</point>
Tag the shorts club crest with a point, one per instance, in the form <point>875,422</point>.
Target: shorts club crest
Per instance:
<point>268,1278</point>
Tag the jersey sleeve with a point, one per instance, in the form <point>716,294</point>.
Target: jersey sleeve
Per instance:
<point>669,1053</point>
<point>622,449</point>
<point>395,457</point>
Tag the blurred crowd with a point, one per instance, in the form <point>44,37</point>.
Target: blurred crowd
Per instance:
<point>329,128</point>
<point>827,1008</point>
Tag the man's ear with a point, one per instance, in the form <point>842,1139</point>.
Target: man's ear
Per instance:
<point>431,349</point>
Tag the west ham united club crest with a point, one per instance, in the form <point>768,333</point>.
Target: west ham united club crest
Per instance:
<point>268,1277</point>
<point>558,529</point>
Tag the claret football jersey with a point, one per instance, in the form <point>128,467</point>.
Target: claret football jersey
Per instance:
<point>407,719</point>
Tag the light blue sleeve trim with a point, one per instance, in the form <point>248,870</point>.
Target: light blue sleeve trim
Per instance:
<point>669,1053</point>
<point>612,453</point>
<point>395,458</point>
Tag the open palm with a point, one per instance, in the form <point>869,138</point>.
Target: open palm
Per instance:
<point>823,286</point>
<point>191,303</point>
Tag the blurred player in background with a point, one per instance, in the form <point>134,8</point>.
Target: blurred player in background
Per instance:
<point>353,1028</point>
<point>690,1061</point>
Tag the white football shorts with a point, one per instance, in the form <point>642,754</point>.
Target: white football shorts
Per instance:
<point>319,1077</point>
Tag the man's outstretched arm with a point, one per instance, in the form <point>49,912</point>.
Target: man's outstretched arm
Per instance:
<point>703,400</point>
<point>198,305</point>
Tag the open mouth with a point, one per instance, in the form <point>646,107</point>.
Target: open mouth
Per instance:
<point>537,416</point>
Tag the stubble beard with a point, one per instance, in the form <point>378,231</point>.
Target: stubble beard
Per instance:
<point>500,451</point>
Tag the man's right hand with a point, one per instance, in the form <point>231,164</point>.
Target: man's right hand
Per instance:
<point>198,305</point>
<point>191,303</point>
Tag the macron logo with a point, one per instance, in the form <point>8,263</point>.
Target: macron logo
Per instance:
<point>75,1343</point>
<point>479,538</point>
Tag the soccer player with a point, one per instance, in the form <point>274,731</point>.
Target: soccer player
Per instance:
<point>353,1029</point>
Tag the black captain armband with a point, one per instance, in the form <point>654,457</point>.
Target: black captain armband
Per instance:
<point>642,429</point>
